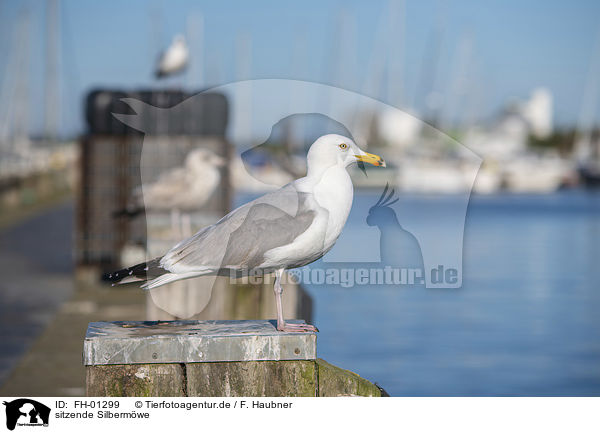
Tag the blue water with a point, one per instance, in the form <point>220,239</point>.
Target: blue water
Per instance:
<point>526,321</point>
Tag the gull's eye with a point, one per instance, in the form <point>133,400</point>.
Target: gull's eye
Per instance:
<point>343,146</point>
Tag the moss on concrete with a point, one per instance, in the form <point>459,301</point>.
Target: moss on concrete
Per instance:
<point>228,379</point>
<point>252,379</point>
<point>139,380</point>
<point>335,381</point>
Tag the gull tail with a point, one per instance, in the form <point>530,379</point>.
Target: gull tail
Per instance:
<point>169,277</point>
<point>145,271</point>
<point>151,273</point>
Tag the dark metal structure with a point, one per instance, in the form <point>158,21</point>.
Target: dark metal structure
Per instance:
<point>111,152</point>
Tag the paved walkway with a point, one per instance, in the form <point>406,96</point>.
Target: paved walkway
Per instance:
<point>35,258</point>
<point>52,366</point>
<point>42,318</point>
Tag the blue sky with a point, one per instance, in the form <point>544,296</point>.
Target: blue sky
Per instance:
<point>508,48</point>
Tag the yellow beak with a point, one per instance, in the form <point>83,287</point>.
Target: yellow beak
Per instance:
<point>371,159</point>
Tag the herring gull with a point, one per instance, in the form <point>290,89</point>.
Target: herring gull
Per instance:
<point>174,59</point>
<point>284,229</point>
<point>186,188</point>
<point>182,189</point>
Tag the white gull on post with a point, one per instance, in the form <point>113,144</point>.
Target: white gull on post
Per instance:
<point>284,229</point>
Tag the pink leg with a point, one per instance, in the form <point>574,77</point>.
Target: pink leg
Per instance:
<point>281,324</point>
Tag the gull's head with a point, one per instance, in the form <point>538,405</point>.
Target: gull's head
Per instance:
<point>333,149</point>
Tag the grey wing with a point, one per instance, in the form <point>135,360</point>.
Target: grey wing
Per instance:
<point>241,238</point>
<point>265,227</point>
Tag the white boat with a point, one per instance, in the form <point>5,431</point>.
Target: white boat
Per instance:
<point>534,174</point>
<point>436,176</point>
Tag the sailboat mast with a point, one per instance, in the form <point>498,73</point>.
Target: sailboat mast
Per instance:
<point>52,85</point>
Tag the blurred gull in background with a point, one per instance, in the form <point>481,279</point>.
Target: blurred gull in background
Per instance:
<point>188,187</point>
<point>182,189</point>
<point>174,59</point>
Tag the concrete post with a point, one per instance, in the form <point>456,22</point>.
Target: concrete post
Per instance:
<point>210,358</point>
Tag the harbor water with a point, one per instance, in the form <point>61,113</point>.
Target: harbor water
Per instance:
<point>524,323</point>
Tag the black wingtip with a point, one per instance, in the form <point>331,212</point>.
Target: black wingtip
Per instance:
<point>384,393</point>
<point>143,271</point>
<point>128,213</point>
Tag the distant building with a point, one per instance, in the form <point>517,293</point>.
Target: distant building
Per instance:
<point>509,134</point>
<point>537,111</point>
<point>399,128</point>
<point>111,165</point>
